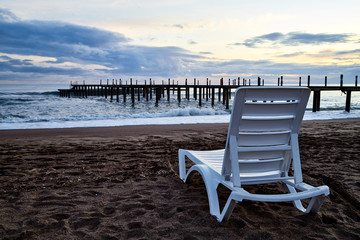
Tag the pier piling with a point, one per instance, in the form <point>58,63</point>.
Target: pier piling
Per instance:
<point>348,101</point>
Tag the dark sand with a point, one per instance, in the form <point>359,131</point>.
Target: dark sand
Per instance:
<point>122,183</point>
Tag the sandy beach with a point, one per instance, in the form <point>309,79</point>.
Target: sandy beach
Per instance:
<point>122,183</point>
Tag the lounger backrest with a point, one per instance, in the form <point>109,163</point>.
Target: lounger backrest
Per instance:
<point>263,120</point>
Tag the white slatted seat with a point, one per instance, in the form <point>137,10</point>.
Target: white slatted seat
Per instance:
<point>261,146</point>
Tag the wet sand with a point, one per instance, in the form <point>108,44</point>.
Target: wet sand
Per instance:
<point>122,183</point>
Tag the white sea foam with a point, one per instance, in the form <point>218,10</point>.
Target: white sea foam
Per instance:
<point>162,120</point>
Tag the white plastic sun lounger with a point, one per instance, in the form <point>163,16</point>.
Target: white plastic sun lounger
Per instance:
<point>261,146</point>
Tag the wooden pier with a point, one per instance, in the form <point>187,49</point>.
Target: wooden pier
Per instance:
<point>206,92</point>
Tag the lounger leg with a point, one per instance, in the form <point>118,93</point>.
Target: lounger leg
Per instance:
<point>182,165</point>
<point>211,186</point>
<point>213,198</point>
<point>297,203</point>
<point>314,205</point>
<point>228,209</point>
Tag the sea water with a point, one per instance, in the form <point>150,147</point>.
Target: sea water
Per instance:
<point>39,106</point>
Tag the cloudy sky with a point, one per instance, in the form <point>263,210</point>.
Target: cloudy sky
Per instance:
<point>44,41</point>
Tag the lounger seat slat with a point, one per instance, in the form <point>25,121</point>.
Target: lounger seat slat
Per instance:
<point>267,118</point>
<point>269,102</point>
<point>247,161</point>
<point>258,139</point>
<point>277,108</point>
<point>267,148</point>
<point>259,180</point>
<point>264,133</point>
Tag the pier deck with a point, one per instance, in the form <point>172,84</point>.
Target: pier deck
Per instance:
<point>205,92</point>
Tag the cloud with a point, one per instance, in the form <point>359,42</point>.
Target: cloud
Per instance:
<point>82,45</point>
<point>15,62</point>
<point>8,65</point>
<point>53,38</point>
<point>236,44</point>
<point>7,16</point>
<point>205,53</point>
<point>295,38</point>
<point>348,52</point>
<point>295,54</point>
<point>263,38</point>
<point>307,38</point>
<point>178,26</point>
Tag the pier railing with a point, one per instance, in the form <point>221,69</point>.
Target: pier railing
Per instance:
<point>200,92</point>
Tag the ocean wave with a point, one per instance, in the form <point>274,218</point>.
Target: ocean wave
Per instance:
<point>18,98</point>
<point>14,101</point>
<point>45,93</point>
<point>51,93</point>
<point>335,107</point>
<point>179,112</point>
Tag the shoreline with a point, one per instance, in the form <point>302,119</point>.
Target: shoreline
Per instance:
<point>132,130</point>
<point>165,120</point>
